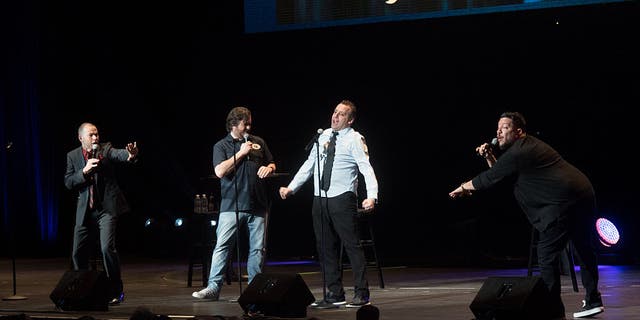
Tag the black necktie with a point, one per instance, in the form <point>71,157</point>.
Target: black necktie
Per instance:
<point>328,163</point>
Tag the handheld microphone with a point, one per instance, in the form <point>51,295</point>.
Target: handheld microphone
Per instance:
<point>314,139</point>
<point>94,151</point>
<point>492,145</point>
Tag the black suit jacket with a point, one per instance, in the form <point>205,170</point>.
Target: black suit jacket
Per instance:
<point>108,195</point>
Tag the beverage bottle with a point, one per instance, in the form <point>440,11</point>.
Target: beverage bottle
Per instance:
<point>197,204</point>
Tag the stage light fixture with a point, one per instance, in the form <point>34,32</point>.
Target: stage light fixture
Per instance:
<point>178,222</point>
<point>213,223</point>
<point>607,232</point>
<point>148,222</point>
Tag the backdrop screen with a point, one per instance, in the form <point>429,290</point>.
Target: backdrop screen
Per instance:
<point>277,15</point>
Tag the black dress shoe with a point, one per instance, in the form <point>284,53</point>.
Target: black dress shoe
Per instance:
<point>117,300</point>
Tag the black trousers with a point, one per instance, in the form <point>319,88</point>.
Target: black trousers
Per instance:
<point>578,225</point>
<point>334,223</point>
<point>101,223</point>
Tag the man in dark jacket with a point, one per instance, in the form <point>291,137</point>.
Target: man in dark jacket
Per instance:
<point>90,172</point>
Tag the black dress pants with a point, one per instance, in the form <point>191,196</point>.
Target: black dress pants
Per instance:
<point>334,223</point>
<point>577,225</point>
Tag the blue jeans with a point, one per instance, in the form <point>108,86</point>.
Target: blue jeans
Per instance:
<point>226,238</point>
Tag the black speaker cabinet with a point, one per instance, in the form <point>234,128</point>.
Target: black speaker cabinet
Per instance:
<point>514,298</point>
<point>279,295</point>
<point>82,290</point>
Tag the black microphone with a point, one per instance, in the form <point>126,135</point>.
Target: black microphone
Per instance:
<point>94,151</point>
<point>493,144</point>
<point>246,138</point>
<point>313,140</point>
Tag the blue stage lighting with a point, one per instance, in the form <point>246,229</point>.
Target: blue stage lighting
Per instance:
<point>178,222</point>
<point>607,232</point>
<point>148,222</point>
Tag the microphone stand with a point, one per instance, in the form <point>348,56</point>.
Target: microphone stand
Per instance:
<point>12,240</point>
<point>235,184</point>
<point>324,212</point>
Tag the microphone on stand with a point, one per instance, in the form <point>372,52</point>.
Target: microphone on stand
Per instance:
<point>314,139</point>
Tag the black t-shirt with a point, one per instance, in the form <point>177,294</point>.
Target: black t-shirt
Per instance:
<point>252,191</point>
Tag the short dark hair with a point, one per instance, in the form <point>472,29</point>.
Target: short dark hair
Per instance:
<point>517,118</point>
<point>236,115</point>
<point>350,104</point>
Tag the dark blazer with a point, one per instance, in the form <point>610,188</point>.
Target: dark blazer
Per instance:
<point>108,195</point>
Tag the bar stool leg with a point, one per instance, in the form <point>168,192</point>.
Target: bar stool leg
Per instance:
<point>567,255</point>
<point>364,243</point>
<point>572,271</point>
<point>375,255</point>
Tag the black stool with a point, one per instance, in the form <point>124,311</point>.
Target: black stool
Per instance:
<point>364,226</point>
<point>566,260</point>
<point>201,245</point>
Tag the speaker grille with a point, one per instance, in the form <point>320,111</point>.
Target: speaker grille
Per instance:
<point>276,294</point>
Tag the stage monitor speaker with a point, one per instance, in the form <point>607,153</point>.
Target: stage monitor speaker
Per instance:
<point>514,298</point>
<point>279,295</point>
<point>82,290</point>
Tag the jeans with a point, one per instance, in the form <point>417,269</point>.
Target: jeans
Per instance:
<point>226,239</point>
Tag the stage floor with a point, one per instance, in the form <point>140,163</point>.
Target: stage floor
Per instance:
<point>409,292</point>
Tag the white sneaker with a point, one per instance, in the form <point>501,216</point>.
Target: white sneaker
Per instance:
<point>588,311</point>
<point>206,293</point>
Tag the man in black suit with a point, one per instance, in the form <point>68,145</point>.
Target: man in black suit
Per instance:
<point>90,172</point>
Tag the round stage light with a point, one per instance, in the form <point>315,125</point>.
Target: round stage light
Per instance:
<point>178,223</point>
<point>607,232</point>
<point>148,222</point>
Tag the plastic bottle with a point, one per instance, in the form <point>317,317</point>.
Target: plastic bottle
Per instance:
<point>211,206</point>
<point>197,204</point>
<point>204,204</point>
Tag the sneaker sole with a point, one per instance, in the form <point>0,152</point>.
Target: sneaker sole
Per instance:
<point>197,296</point>
<point>588,313</point>
<point>357,305</point>
<point>339,303</point>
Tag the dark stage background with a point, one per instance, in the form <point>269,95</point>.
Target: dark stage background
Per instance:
<point>428,92</point>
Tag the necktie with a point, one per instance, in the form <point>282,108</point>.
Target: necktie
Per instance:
<point>87,155</point>
<point>91,196</point>
<point>94,181</point>
<point>328,163</point>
